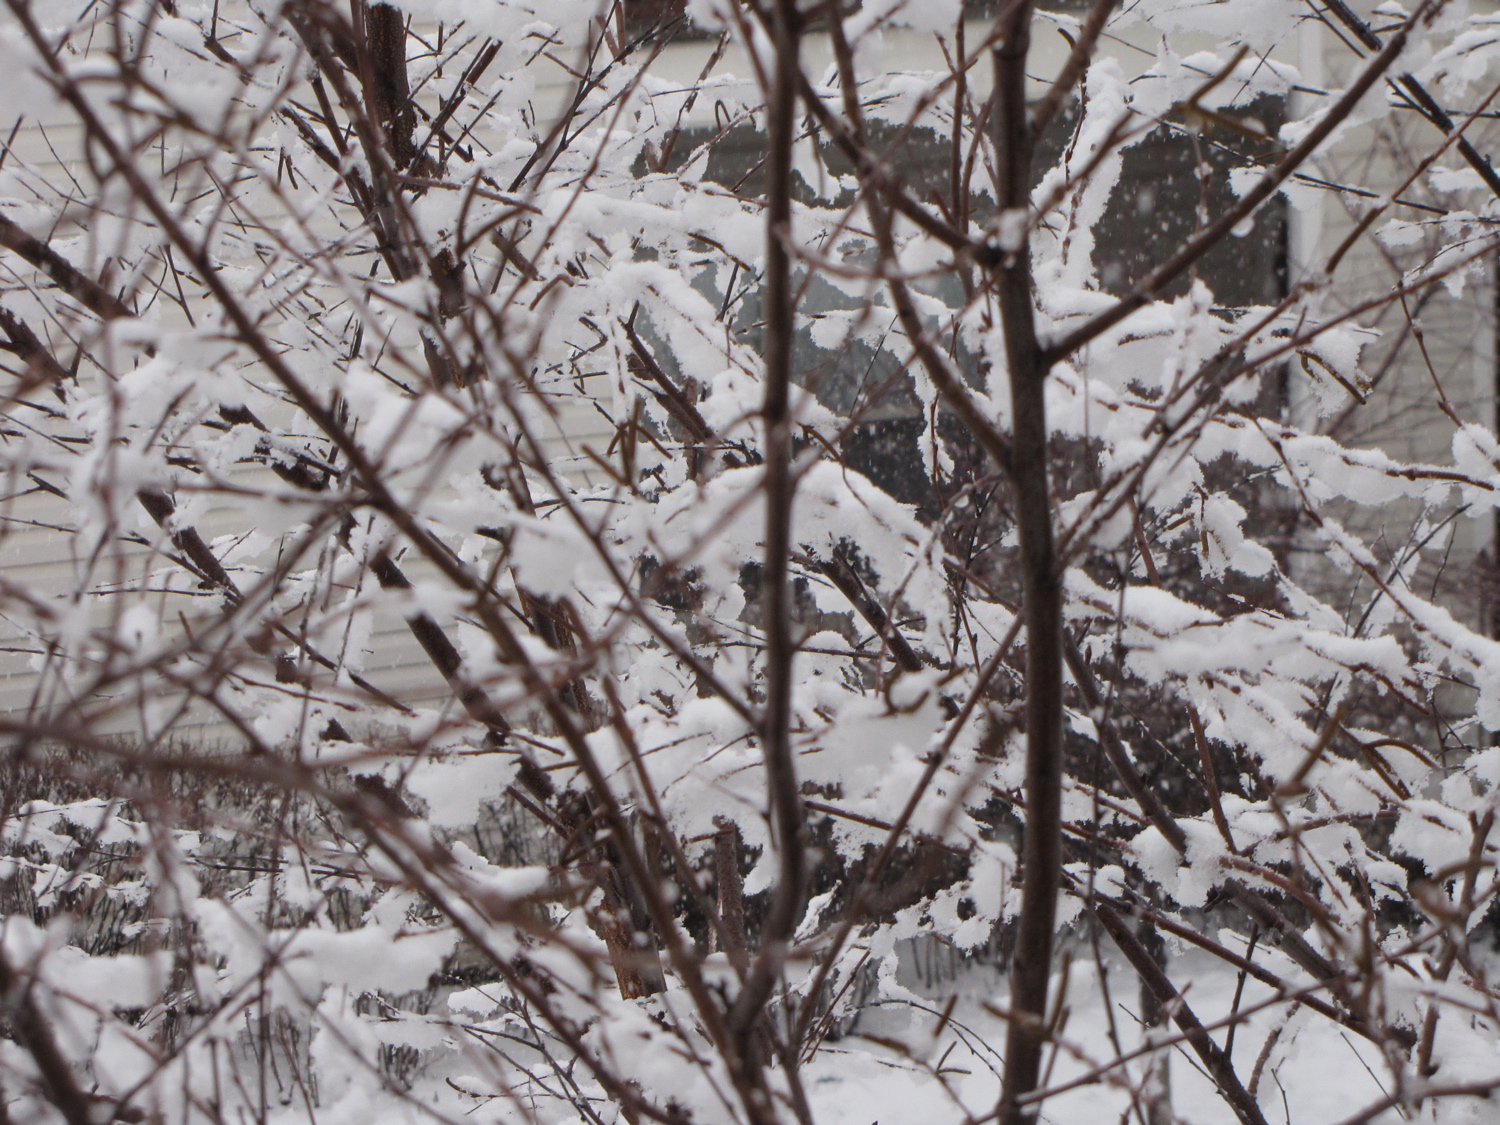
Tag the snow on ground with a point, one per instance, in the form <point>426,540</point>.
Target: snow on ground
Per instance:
<point>900,1071</point>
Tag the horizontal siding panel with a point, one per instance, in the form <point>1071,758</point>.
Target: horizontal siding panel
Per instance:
<point>1402,417</point>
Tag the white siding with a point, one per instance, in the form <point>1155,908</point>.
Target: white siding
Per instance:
<point>1401,417</point>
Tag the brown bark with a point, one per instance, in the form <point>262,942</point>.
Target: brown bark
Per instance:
<point>388,88</point>
<point>1041,846</point>
<point>1214,1060</point>
<point>775,727</point>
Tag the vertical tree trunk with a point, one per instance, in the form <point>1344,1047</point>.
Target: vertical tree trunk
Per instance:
<point>389,89</point>
<point>782,791</point>
<point>731,891</point>
<point>780,315</point>
<point>1041,853</point>
<point>1156,1093</point>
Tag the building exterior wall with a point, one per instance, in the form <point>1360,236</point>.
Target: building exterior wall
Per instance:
<point>1403,414</point>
